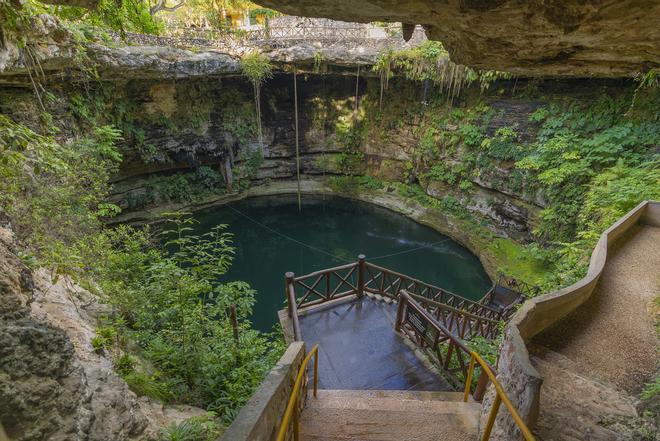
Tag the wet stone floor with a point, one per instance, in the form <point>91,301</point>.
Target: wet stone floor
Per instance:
<point>359,349</point>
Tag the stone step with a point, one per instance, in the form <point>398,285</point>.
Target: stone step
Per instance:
<point>443,421</point>
<point>421,401</point>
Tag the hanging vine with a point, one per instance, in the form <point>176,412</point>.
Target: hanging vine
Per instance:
<point>257,68</point>
<point>357,94</point>
<point>295,113</point>
<point>430,62</point>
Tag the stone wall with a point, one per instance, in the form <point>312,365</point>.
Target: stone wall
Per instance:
<point>53,384</point>
<point>260,418</point>
<point>178,126</point>
<point>515,371</point>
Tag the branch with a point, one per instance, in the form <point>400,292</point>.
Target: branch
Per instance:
<point>87,4</point>
<point>161,5</point>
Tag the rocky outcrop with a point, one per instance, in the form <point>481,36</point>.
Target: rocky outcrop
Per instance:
<point>55,51</point>
<point>536,38</point>
<point>52,384</point>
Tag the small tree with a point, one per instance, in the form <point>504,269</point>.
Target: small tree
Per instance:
<point>257,67</point>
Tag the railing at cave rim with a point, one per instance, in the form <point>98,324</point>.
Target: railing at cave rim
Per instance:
<point>271,36</point>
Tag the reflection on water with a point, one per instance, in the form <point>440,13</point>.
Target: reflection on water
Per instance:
<point>272,237</point>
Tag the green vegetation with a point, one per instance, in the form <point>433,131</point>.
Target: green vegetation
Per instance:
<point>193,429</point>
<point>430,62</point>
<point>170,334</point>
<point>124,16</point>
<point>257,68</point>
<point>175,306</point>
<point>179,187</point>
<point>588,161</point>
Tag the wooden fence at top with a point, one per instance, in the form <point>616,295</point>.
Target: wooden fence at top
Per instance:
<point>274,36</point>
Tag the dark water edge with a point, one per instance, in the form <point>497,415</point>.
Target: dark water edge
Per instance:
<point>272,237</point>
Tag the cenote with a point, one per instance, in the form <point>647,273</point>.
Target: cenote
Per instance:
<point>272,237</point>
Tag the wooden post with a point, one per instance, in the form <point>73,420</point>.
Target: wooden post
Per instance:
<point>361,270</point>
<point>288,280</point>
<point>399,313</point>
<point>482,385</point>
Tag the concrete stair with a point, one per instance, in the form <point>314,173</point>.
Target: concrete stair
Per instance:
<point>369,415</point>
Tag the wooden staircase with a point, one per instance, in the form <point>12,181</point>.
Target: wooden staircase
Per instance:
<point>369,415</point>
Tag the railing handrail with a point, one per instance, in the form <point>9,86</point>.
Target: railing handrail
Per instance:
<point>361,276</point>
<point>452,308</point>
<point>290,412</point>
<point>500,396</point>
<point>324,271</point>
<point>407,298</point>
<point>412,279</point>
<point>487,369</point>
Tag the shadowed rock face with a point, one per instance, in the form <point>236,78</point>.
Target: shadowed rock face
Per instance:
<point>537,38</point>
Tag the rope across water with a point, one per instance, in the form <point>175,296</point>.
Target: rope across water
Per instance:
<point>322,251</point>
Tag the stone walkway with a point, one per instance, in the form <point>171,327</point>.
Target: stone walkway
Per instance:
<point>601,354</point>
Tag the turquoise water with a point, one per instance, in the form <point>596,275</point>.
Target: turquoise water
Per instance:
<point>272,237</point>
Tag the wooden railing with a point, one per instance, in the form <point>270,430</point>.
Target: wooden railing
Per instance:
<point>447,351</point>
<point>466,318</point>
<point>389,283</point>
<point>461,323</point>
<point>450,353</point>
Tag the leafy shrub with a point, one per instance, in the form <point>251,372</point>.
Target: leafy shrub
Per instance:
<point>192,429</point>
<point>99,343</point>
<point>175,305</point>
<point>147,385</point>
<point>125,365</point>
<point>55,194</point>
<point>503,145</point>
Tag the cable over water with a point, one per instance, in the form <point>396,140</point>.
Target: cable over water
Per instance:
<point>319,250</point>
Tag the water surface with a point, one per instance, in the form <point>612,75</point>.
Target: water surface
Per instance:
<point>272,237</point>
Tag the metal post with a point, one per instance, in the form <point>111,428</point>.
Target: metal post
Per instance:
<point>288,281</point>
<point>316,371</point>
<point>361,269</point>
<point>296,424</point>
<point>295,107</point>
<point>468,380</point>
<point>491,417</point>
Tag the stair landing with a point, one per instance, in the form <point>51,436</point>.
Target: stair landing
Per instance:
<point>354,415</point>
<point>359,349</point>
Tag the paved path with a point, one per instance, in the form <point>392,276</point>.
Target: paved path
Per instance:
<point>601,354</point>
<point>358,349</point>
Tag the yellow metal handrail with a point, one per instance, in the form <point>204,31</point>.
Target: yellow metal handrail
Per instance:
<point>500,397</point>
<point>291,406</point>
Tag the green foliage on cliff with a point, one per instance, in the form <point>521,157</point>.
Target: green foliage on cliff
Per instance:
<point>55,193</point>
<point>430,62</point>
<point>175,305</point>
<point>586,160</point>
<point>172,301</point>
<point>123,16</point>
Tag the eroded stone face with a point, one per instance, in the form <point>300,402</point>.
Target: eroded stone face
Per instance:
<point>536,38</point>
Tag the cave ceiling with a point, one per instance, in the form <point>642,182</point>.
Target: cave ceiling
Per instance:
<point>535,38</point>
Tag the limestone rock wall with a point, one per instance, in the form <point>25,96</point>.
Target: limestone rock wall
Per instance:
<point>52,384</point>
<point>176,126</point>
<point>537,38</point>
